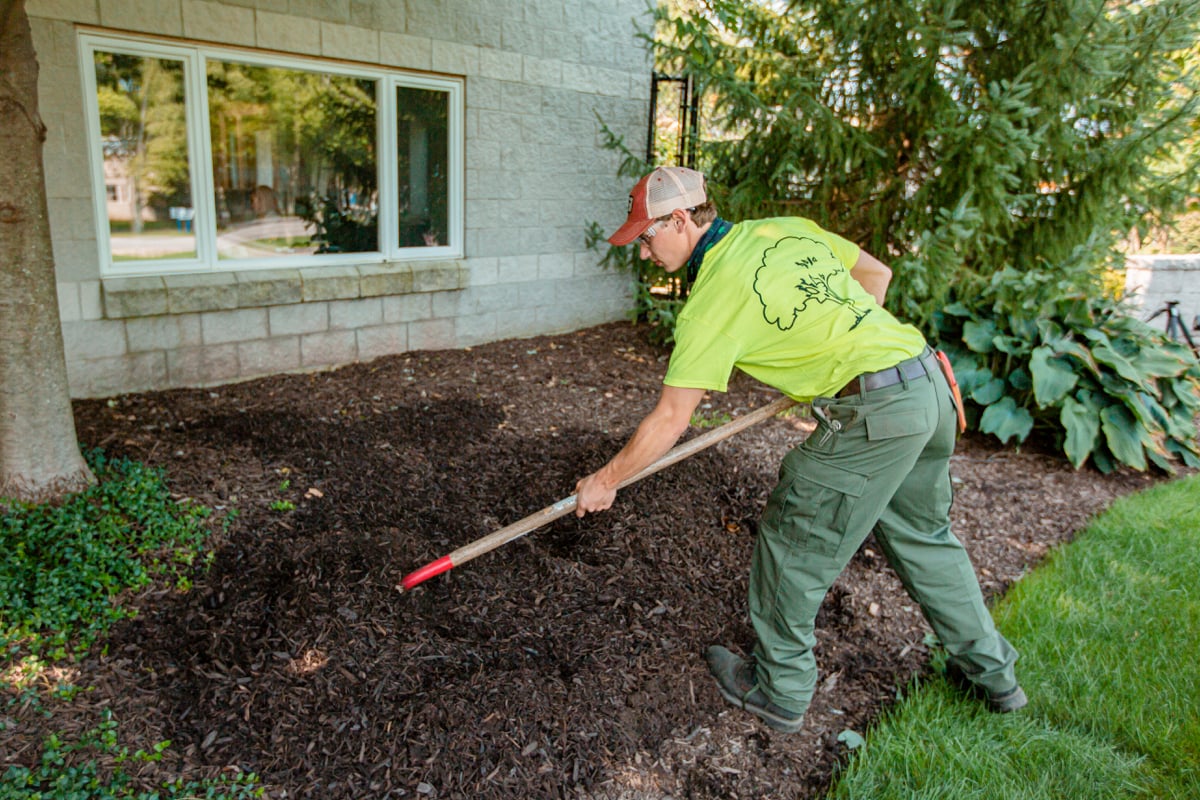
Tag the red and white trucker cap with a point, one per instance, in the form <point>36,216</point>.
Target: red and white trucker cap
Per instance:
<point>656,195</point>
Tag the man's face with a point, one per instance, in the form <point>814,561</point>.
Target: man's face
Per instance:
<point>665,245</point>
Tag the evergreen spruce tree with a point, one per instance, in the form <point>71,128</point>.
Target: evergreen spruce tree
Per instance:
<point>951,139</point>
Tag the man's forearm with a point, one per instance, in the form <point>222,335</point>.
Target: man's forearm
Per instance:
<point>652,440</point>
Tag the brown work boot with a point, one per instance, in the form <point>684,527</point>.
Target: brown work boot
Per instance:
<point>738,684</point>
<point>1000,702</point>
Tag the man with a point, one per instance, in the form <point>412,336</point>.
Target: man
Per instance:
<point>801,309</point>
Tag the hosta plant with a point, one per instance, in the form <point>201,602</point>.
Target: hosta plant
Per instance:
<point>1035,350</point>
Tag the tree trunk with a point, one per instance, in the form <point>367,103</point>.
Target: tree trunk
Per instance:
<point>39,454</point>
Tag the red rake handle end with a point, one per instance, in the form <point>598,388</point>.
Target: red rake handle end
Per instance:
<point>443,564</point>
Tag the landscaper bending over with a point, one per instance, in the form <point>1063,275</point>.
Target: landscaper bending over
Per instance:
<point>801,310</point>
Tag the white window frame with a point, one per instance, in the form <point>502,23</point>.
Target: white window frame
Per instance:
<point>194,57</point>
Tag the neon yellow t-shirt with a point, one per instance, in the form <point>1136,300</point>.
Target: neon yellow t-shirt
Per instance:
<point>775,299</point>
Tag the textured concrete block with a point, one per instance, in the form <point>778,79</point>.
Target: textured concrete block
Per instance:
<point>431,334</point>
<point>218,22</point>
<point>542,71</point>
<point>104,377</point>
<point>91,339</point>
<point>268,356</point>
<point>351,314</point>
<point>516,324</point>
<point>328,283</point>
<point>288,33</point>
<point>556,266</point>
<point>297,319</point>
<point>536,294</point>
<point>382,340</point>
<point>202,366</point>
<point>387,278</point>
<point>379,15</point>
<point>482,271</point>
<point>513,269</point>
<point>456,59</point>
<point>475,329</point>
<point>76,259</point>
<point>520,37</point>
<point>68,303</point>
<point>271,287</point>
<point>325,10</point>
<point>221,327</point>
<point>200,292</point>
<point>82,11</point>
<point>402,50</point>
<point>134,297</point>
<point>438,276</point>
<point>90,304</point>
<point>521,98</point>
<point>588,264</point>
<point>407,307</point>
<point>163,333</point>
<point>448,304</point>
<point>143,16</point>
<point>346,41</point>
<point>329,348</point>
<point>500,64</point>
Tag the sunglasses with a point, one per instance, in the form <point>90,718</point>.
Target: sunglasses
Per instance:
<point>649,233</point>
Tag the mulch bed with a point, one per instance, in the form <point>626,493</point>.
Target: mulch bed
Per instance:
<point>566,664</point>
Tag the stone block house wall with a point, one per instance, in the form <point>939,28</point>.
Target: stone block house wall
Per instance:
<point>1150,281</point>
<point>537,78</point>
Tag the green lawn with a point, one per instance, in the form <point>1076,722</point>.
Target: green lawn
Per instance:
<point>1109,634</point>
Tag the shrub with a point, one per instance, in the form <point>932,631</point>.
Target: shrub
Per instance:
<point>63,567</point>
<point>1035,349</point>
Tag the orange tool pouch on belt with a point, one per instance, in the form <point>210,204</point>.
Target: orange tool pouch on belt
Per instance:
<point>948,371</point>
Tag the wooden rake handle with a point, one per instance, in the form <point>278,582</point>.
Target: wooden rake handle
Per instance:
<point>567,504</point>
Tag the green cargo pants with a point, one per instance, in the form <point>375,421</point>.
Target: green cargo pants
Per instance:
<point>878,462</point>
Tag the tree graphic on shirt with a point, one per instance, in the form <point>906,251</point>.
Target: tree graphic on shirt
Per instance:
<point>794,272</point>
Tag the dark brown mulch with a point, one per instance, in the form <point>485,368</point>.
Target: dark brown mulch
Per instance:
<point>566,664</point>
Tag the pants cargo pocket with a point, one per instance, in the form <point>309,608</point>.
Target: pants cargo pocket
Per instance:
<point>810,506</point>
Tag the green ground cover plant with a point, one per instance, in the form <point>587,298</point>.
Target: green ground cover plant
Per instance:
<point>1109,631</point>
<point>63,569</point>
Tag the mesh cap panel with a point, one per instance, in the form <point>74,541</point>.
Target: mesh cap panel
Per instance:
<point>674,187</point>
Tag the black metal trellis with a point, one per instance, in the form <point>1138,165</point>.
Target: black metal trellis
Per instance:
<point>689,117</point>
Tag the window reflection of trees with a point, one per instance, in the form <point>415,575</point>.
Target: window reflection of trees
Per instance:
<point>143,129</point>
<point>291,150</point>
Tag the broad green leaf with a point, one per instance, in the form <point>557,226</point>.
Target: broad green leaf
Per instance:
<point>1083,426</point>
<point>1121,434</point>
<point>1053,378</point>
<point>980,336</point>
<point>1160,363</point>
<point>1190,455</point>
<point>987,393</point>
<point>1005,420</point>
<point>1123,366</point>
<point>852,739</point>
<point>1012,345</point>
<point>1020,379</point>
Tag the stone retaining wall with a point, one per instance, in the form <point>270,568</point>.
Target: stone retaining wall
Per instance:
<point>1150,281</point>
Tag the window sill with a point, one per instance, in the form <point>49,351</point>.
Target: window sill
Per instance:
<point>152,296</point>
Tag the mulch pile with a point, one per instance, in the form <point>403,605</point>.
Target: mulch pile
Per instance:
<point>566,664</point>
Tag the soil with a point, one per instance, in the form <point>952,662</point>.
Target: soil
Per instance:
<point>568,663</point>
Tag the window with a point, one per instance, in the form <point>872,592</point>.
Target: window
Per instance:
<point>208,159</point>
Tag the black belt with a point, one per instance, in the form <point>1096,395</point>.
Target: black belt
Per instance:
<point>908,370</point>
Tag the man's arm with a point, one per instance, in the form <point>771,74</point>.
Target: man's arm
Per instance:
<point>873,274</point>
<point>656,434</point>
